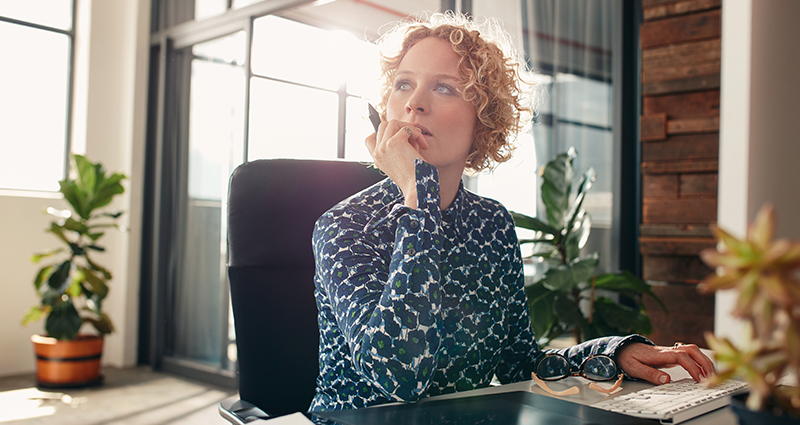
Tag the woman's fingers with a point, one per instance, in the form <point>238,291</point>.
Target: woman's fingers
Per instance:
<point>644,361</point>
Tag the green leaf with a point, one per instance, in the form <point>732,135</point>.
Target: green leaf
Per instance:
<point>63,322</point>
<point>99,268</point>
<point>567,310</point>
<point>41,276</point>
<point>87,173</point>
<point>35,258</point>
<point>96,248</point>
<point>532,223</point>
<point>76,249</point>
<point>57,230</point>
<point>540,307</point>
<point>576,212</point>
<point>106,190</point>
<point>96,285</point>
<point>115,215</point>
<point>557,186</point>
<point>622,319</point>
<point>75,226</point>
<point>60,275</point>
<point>566,277</point>
<point>103,324</point>
<point>35,313</point>
<point>69,189</point>
<point>624,282</point>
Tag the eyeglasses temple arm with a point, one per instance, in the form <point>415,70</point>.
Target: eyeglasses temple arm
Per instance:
<point>543,385</point>
<point>597,387</point>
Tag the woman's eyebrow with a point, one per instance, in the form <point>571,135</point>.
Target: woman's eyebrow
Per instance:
<point>437,76</point>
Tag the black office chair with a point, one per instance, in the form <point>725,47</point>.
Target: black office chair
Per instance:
<point>272,207</point>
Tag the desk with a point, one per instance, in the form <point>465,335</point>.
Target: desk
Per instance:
<point>586,396</point>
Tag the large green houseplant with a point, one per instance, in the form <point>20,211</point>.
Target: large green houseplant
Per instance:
<point>74,280</point>
<point>72,287</point>
<point>763,273</point>
<point>558,300</point>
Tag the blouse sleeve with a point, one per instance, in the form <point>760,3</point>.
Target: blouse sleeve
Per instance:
<point>387,304</point>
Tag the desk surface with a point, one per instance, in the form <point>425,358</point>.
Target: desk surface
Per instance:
<point>586,396</point>
<point>723,416</point>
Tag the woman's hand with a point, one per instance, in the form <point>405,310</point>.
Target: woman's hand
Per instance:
<point>643,361</point>
<point>394,148</point>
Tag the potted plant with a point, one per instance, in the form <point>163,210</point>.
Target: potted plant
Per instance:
<point>555,301</point>
<point>763,274</point>
<point>72,288</point>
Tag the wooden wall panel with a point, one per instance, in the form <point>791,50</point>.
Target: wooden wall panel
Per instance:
<point>685,105</point>
<point>688,317</point>
<point>681,53</point>
<point>677,147</point>
<point>691,27</point>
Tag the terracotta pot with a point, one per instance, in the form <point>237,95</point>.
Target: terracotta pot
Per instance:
<point>74,363</point>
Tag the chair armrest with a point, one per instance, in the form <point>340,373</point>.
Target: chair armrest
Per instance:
<point>240,412</point>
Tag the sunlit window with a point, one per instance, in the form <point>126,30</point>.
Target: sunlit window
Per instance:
<point>34,83</point>
<point>305,93</point>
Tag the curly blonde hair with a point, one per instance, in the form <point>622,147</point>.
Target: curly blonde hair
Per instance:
<point>490,68</point>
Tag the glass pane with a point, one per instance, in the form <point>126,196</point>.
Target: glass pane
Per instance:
<point>358,127</point>
<point>215,131</point>
<point>51,13</point>
<point>583,100</point>
<point>34,81</point>
<point>289,121</point>
<point>311,58</point>
<point>208,8</point>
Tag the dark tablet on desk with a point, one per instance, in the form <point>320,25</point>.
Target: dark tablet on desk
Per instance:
<point>513,408</point>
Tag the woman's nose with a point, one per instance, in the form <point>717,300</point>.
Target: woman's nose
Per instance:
<point>417,103</point>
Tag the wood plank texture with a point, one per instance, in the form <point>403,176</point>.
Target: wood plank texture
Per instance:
<point>688,146</point>
<point>680,71</point>
<point>682,230</point>
<point>690,316</point>
<point>660,185</point>
<point>683,85</point>
<point>674,246</point>
<point>682,54</point>
<point>680,106</point>
<point>693,125</point>
<point>684,268</point>
<point>679,210</point>
<point>696,26</point>
<point>704,184</point>
<point>684,166</point>
<point>653,127</point>
<point>672,8</point>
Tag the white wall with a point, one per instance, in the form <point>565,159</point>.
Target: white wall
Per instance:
<point>759,131</point>
<point>112,39</point>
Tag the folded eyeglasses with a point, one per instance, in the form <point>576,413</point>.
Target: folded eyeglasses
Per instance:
<point>598,368</point>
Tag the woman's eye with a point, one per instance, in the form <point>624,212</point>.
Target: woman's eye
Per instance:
<point>444,89</point>
<point>402,85</point>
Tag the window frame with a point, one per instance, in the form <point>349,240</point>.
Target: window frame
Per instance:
<point>67,141</point>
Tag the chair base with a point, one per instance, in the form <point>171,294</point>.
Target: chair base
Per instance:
<point>240,412</point>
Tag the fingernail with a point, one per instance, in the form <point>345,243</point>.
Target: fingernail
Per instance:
<point>663,379</point>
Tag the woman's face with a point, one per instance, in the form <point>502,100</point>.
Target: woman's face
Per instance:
<point>426,92</point>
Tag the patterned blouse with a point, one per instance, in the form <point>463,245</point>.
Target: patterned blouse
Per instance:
<point>415,303</point>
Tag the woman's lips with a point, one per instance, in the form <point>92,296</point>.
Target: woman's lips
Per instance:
<point>424,130</point>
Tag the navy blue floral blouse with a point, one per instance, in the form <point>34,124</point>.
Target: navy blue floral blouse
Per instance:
<point>415,303</point>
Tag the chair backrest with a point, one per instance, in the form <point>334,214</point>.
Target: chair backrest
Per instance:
<point>272,207</point>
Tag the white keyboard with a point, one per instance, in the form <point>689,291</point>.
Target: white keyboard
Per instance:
<point>675,402</point>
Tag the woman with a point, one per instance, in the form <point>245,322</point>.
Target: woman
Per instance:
<point>419,282</point>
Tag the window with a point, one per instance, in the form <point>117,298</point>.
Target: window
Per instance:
<point>35,82</point>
